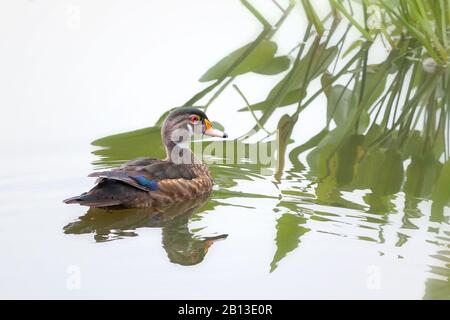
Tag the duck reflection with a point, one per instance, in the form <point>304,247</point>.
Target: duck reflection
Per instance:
<point>182,245</point>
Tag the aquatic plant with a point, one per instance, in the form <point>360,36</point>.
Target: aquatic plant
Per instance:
<point>387,126</point>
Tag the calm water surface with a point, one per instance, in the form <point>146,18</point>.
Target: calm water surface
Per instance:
<point>254,237</point>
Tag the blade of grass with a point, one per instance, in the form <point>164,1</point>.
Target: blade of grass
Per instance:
<point>312,16</point>
<point>344,11</point>
<point>250,109</point>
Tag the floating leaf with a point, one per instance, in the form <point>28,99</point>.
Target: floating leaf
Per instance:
<point>260,56</point>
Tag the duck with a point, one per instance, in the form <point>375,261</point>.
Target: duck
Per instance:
<point>154,183</point>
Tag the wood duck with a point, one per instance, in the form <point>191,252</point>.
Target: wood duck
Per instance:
<point>149,182</point>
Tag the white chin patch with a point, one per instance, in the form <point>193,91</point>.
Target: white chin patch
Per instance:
<point>191,131</point>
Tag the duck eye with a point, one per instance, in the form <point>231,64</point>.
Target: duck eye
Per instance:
<point>195,119</point>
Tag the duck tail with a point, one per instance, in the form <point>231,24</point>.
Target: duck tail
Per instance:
<point>92,200</point>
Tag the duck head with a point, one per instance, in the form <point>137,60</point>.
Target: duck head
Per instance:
<point>182,123</point>
<point>191,120</point>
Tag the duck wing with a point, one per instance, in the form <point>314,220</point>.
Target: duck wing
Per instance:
<point>145,173</point>
<point>166,181</point>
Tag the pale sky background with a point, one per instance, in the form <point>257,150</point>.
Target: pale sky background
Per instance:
<point>79,70</point>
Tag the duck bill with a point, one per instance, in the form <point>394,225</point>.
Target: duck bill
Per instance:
<point>210,131</point>
<point>215,133</point>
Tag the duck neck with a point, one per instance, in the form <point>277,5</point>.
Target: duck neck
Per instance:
<point>178,152</point>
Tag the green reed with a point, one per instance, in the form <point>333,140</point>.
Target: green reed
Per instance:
<point>387,124</point>
<point>399,106</point>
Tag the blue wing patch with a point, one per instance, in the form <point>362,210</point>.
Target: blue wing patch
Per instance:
<point>143,181</point>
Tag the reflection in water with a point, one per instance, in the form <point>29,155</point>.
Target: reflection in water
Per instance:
<point>438,287</point>
<point>344,190</point>
<point>182,246</point>
<point>342,169</point>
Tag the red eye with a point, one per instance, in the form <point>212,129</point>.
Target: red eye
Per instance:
<point>195,119</point>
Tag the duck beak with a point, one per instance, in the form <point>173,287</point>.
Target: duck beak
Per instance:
<point>210,131</point>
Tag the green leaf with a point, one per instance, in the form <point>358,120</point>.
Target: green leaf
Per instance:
<point>356,44</point>
<point>421,176</point>
<point>120,147</point>
<point>389,178</point>
<point>312,16</point>
<point>319,158</point>
<point>368,170</point>
<point>375,81</point>
<point>258,57</point>
<point>290,98</point>
<point>311,143</point>
<point>364,121</point>
<point>376,77</point>
<point>339,104</point>
<point>339,6</point>
<point>289,230</point>
<point>349,155</point>
<point>284,131</point>
<point>218,126</point>
<point>439,142</point>
<point>275,66</point>
<point>441,193</point>
<point>374,132</point>
<point>413,146</point>
<point>319,59</point>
